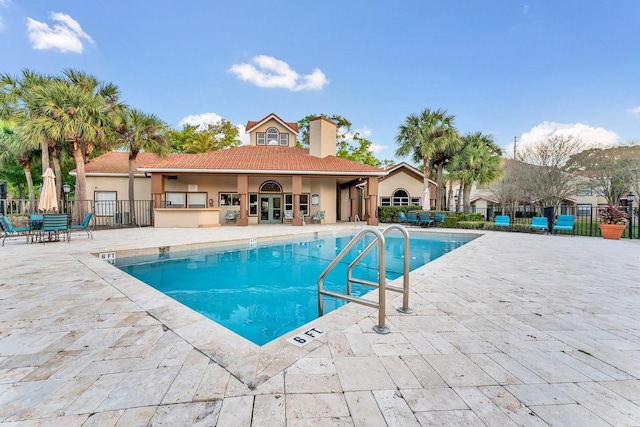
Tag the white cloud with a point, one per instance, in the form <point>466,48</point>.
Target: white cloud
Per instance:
<point>635,110</point>
<point>272,72</point>
<point>201,120</point>
<point>66,35</point>
<point>205,119</point>
<point>590,136</point>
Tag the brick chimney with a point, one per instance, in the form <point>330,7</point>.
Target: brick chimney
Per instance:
<point>322,137</point>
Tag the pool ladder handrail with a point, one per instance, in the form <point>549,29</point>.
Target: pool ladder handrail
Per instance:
<point>381,285</point>
<point>404,290</point>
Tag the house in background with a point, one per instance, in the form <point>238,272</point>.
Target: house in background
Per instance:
<point>404,185</point>
<point>258,182</point>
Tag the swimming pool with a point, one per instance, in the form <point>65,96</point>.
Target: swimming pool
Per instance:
<point>264,291</point>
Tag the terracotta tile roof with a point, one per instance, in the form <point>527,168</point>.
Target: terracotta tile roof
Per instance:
<point>261,158</point>
<point>292,125</point>
<point>117,162</point>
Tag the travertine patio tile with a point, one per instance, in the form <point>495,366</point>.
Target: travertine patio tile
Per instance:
<point>94,395</point>
<point>585,369</point>
<point>318,406</point>
<point>512,407</point>
<point>515,368</point>
<point>360,344</point>
<point>603,402</point>
<point>269,411</point>
<point>629,389</point>
<point>187,414</point>
<point>213,384</point>
<point>539,394</point>
<point>154,382</point>
<point>423,372</point>
<point>136,417</point>
<point>459,370</point>
<point>485,409</point>
<point>312,383</point>
<point>393,344</point>
<point>394,408</point>
<point>13,375</point>
<point>63,397</point>
<point>103,419</point>
<point>569,415</point>
<point>362,373</point>
<point>465,418</point>
<point>433,399</point>
<point>493,369</point>
<point>185,384</point>
<point>364,409</point>
<point>548,368</point>
<point>400,372</point>
<point>19,400</point>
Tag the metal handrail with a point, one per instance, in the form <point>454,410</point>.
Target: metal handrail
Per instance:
<point>380,305</point>
<point>405,288</point>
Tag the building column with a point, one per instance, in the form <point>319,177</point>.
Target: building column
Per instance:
<point>243,192</point>
<point>372,201</point>
<point>296,189</point>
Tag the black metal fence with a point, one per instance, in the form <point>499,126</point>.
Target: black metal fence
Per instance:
<point>586,218</point>
<point>106,214</point>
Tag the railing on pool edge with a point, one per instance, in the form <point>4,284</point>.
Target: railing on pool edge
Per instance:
<point>381,285</point>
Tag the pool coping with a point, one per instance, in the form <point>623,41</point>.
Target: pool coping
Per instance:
<point>249,363</point>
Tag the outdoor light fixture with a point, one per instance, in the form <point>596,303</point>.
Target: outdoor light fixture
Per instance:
<point>630,198</point>
<point>66,188</point>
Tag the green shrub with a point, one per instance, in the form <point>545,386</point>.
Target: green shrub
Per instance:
<point>389,214</point>
<point>471,225</point>
<point>450,222</point>
<point>474,216</point>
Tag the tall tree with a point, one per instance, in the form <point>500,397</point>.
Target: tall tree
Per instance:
<point>546,178</point>
<point>14,105</point>
<point>138,131</point>
<point>13,149</point>
<point>478,161</point>
<point>429,137</point>
<point>612,169</point>
<point>70,113</point>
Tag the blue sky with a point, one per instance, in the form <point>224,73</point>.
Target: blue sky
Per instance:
<point>511,68</point>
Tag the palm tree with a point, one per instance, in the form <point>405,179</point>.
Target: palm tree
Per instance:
<point>70,114</point>
<point>138,132</point>
<point>430,138</point>
<point>12,148</point>
<point>478,161</point>
<point>14,105</point>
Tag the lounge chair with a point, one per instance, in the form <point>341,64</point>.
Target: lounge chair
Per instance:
<point>540,223</point>
<point>318,217</point>
<point>424,219</point>
<point>231,216</point>
<point>86,225</point>
<point>501,221</point>
<point>412,218</point>
<point>288,215</point>
<point>402,217</point>
<point>54,224</point>
<point>9,230</point>
<point>438,219</point>
<point>564,223</point>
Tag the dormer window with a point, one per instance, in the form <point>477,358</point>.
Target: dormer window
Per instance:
<point>272,137</point>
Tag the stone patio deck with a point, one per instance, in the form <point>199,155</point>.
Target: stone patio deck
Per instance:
<point>511,329</point>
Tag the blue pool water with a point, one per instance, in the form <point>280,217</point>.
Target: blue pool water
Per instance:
<point>266,291</point>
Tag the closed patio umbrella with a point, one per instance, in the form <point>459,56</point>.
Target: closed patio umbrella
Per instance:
<point>48,199</point>
<point>426,203</point>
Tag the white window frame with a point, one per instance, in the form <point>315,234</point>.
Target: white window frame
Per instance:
<point>284,139</point>
<point>272,136</point>
<point>175,199</point>
<point>197,200</point>
<point>105,202</point>
<point>229,199</point>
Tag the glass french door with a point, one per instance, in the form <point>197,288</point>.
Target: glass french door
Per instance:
<point>270,209</point>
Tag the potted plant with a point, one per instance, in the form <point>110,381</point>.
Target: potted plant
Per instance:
<point>613,222</point>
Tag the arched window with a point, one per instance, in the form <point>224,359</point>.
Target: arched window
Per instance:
<point>400,198</point>
<point>272,136</point>
<point>270,187</point>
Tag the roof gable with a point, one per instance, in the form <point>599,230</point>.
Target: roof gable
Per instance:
<point>293,127</point>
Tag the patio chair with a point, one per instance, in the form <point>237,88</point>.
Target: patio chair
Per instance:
<point>288,215</point>
<point>564,223</point>
<point>424,219</point>
<point>54,224</point>
<point>412,218</point>
<point>540,223</point>
<point>438,219</point>
<point>231,216</point>
<point>9,230</point>
<point>318,217</point>
<point>402,217</point>
<point>86,225</point>
<point>501,221</point>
